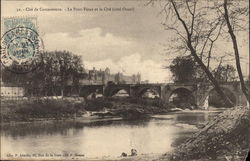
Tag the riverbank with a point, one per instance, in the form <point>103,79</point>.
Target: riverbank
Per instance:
<point>79,132</point>
<point>57,109</point>
<point>103,139</point>
<point>226,137</point>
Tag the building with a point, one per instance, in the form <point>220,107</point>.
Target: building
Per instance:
<point>95,76</point>
<point>11,91</point>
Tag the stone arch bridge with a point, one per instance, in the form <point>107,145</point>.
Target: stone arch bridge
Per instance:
<point>199,91</point>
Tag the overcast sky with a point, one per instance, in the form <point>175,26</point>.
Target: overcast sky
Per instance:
<point>128,41</point>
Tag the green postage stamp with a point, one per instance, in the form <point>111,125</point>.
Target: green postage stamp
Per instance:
<point>20,44</point>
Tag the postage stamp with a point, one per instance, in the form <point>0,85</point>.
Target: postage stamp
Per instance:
<point>21,46</point>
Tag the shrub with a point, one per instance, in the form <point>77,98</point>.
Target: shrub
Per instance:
<point>97,104</point>
<point>45,108</point>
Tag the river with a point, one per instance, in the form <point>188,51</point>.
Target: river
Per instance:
<point>102,138</point>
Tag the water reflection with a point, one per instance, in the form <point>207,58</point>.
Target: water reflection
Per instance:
<point>63,128</point>
<point>158,134</point>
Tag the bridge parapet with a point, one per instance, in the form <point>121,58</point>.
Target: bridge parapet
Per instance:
<point>200,91</point>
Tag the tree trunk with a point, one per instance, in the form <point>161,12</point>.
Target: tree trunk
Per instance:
<point>227,101</point>
<point>236,52</point>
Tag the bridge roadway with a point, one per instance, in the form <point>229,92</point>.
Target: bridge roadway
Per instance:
<point>199,91</point>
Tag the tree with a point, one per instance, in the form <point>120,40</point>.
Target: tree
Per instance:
<point>224,73</point>
<point>232,22</point>
<point>57,69</point>
<point>183,69</point>
<point>194,31</point>
<point>61,67</point>
<point>31,80</point>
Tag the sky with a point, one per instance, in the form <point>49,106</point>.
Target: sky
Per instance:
<point>128,41</point>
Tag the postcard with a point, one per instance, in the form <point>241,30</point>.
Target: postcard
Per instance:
<point>129,80</point>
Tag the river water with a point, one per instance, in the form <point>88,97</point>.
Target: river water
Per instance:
<point>102,138</point>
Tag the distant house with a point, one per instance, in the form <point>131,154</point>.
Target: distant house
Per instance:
<point>11,91</point>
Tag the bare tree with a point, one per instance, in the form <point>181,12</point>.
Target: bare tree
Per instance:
<point>232,22</point>
<point>196,34</point>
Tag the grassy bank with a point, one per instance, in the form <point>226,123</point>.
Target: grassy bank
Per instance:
<point>129,108</point>
<point>29,110</point>
<point>35,109</point>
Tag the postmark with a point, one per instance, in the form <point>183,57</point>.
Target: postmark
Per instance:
<point>21,46</point>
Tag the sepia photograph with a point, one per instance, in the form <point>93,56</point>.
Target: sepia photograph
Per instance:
<point>125,80</point>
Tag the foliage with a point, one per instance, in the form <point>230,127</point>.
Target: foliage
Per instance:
<point>158,103</point>
<point>25,110</point>
<point>62,66</point>
<point>97,104</point>
<point>225,73</point>
<point>183,69</point>
<point>45,108</point>
<point>57,69</point>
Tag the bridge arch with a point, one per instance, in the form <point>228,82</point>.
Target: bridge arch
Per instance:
<point>93,95</point>
<point>113,91</point>
<point>90,91</point>
<point>151,90</point>
<point>182,97</point>
<point>120,92</point>
<point>211,97</point>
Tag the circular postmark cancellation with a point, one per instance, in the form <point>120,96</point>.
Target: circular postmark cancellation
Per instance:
<point>21,49</point>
